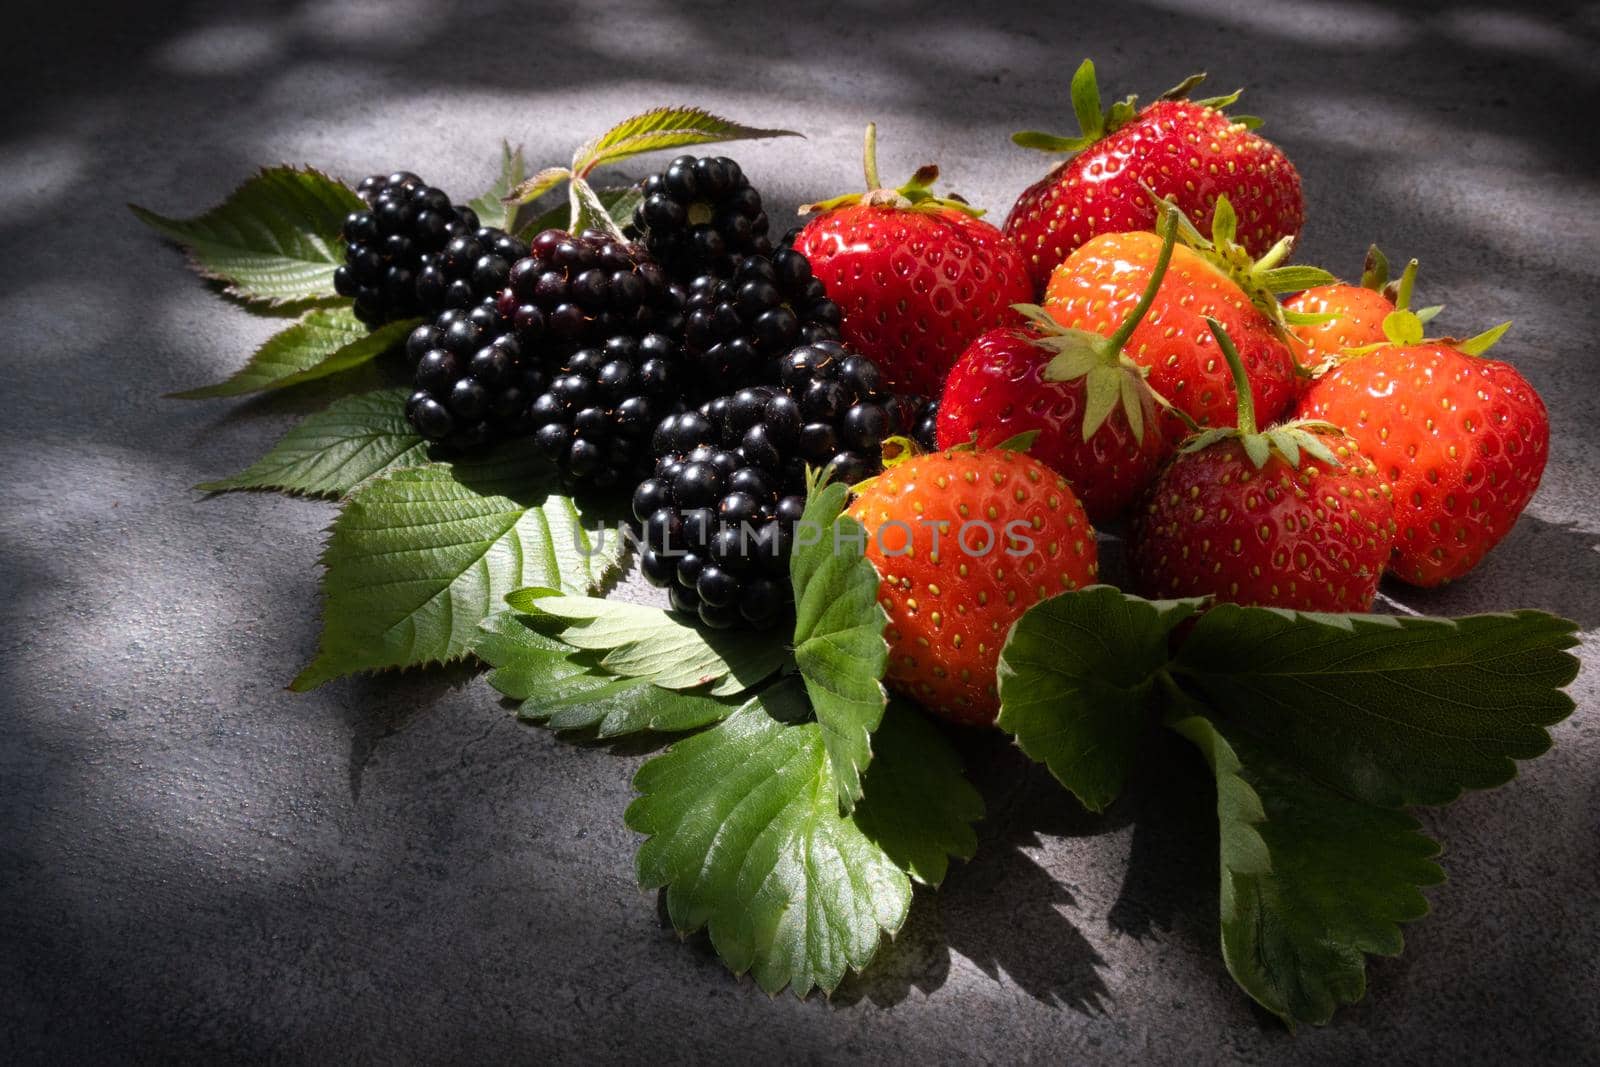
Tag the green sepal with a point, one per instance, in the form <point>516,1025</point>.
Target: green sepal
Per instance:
<point>1477,346</point>
<point>1093,122</point>
<point>916,194</point>
<point>1375,270</point>
<point>1020,442</point>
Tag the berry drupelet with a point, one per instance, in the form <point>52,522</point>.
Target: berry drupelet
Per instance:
<point>413,252</point>
<point>729,482</point>
<point>915,417</point>
<point>738,328</point>
<point>474,378</point>
<point>700,216</point>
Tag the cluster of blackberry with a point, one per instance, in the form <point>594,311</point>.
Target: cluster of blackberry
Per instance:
<point>575,349</point>
<point>414,252</point>
<point>729,481</point>
<point>700,216</point>
<point>739,327</point>
<point>915,417</point>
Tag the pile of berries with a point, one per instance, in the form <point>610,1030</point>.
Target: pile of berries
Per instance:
<point>700,216</point>
<point>730,481</point>
<point>414,252</point>
<point>738,327</point>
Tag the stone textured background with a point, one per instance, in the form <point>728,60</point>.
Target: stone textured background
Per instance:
<point>195,863</point>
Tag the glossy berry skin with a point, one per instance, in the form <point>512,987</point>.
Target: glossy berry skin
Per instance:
<point>700,216</point>
<point>997,390</point>
<point>915,286</point>
<point>1462,440</point>
<point>1098,285</point>
<point>953,597</point>
<point>1314,538</point>
<point>1180,150</point>
<point>1358,320</point>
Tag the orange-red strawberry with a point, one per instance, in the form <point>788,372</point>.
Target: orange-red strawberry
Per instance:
<point>1097,286</point>
<point>1462,439</point>
<point>1292,517</point>
<point>1191,151</point>
<point>1084,397</point>
<point>964,543</point>
<point>1327,319</point>
<point>916,276</point>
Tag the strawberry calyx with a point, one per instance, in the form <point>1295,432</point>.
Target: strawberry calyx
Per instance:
<point>1110,376</point>
<point>1375,276</point>
<point>915,195</point>
<point>1095,123</point>
<point>1404,328</point>
<point>1288,439</point>
<point>1263,278</point>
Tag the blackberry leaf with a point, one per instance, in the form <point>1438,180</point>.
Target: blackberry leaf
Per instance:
<point>566,689</point>
<point>492,208</point>
<point>1078,677</point>
<point>331,452</point>
<point>275,239</point>
<point>419,557</point>
<point>746,836</point>
<point>663,128</point>
<point>1312,879</point>
<point>838,636</point>
<point>618,203</point>
<point>1391,710</point>
<point>639,641</point>
<point>323,342</point>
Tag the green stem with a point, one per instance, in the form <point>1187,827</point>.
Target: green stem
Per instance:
<point>869,157</point>
<point>1169,235</point>
<point>1408,281</point>
<point>1241,380</point>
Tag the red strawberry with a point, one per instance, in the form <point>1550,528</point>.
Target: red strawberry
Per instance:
<point>1462,439</point>
<point>965,542</point>
<point>1292,517</point>
<point>1188,150</point>
<point>916,276</point>
<point>1097,286</point>
<point>1086,399</point>
<point>1327,319</point>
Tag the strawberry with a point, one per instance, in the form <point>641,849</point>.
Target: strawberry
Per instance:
<point>965,542</point>
<point>1291,517</point>
<point>1189,150</point>
<point>1086,399</point>
<point>916,276</point>
<point>1096,287</point>
<point>1462,439</point>
<point>1332,318</point>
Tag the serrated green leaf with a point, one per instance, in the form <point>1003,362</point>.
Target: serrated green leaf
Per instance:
<point>1392,710</point>
<point>1312,880</point>
<point>492,208</point>
<point>275,239</point>
<point>418,557</point>
<point>663,128</point>
<point>1078,676</point>
<point>640,641</point>
<point>331,452</point>
<point>532,188</point>
<point>745,834</point>
<point>838,635</point>
<point>566,689</point>
<point>917,804</point>
<point>326,341</point>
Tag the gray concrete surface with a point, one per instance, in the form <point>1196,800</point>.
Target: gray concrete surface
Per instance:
<point>196,864</point>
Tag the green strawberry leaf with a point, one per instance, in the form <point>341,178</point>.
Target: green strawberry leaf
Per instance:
<point>329,453</point>
<point>419,556</point>
<point>567,689</point>
<point>838,635</point>
<point>639,641</point>
<point>1312,880</point>
<point>663,128</point>
<point>1392,710</point>
<point>492,208</point>
<point>917,805</point>
<point>744,832</point>
<point>325,341</point>
<point>275,239</point>
<point>1078,684</point>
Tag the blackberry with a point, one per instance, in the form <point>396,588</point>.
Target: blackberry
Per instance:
<point>700,216</point>
<point>573,350</point>
<point>729,482</point>
<point>915,417</point>
<point>738,328</point>
<point>414,252</point>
